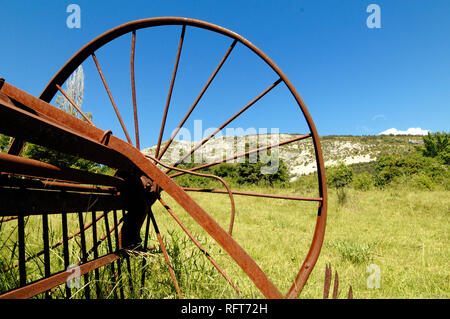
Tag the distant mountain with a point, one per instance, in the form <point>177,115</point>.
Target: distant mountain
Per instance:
<point>299,156</point>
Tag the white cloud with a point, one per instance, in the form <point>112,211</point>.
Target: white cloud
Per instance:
<point>378,116</point>
<point>410,131</point>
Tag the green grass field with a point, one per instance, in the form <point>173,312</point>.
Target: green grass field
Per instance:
<point>404,232</point>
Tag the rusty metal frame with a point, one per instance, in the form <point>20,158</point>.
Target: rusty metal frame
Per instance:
<point>138,181</point>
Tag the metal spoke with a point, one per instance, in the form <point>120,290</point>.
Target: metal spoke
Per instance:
<point>202,92</point>
<point>169,96</point>
<point>133,89</point>
<point>110,97</point>
<point>74,105</point>
<point>218,191</point>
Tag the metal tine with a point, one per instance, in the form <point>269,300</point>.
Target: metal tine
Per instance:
<point>144,261</point>
<point>128,265</point>
<point>119,263</point>
<point>110,250</point>
<point>169,96</point>
<point>53,245</point>
<point>336,285</point>
<point>327,283</point>
<point>66,249</point>
<point>350,293</point>
<point>84,254</point>
<point>95,248</point>
<point>22,265</point>
<point>47,270</point>
<point>166,255</point>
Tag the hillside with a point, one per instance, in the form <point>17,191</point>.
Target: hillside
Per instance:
<point>299,156</point>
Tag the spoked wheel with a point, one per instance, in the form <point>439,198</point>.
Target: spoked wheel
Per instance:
<point>146,100</point>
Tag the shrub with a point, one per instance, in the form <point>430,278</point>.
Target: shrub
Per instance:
<point>253,173</point>
<point>437,145</point>
<point>339,176</point>
<point>362,181</point>
<point>389,168</point>
<point>422,181</point>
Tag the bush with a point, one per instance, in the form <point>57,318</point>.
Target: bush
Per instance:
<point>389,168</point>
<point>339,176</point>
<point>253,173</point>
<point>422,181</point>
<point>241,174</point>
<point>362,181</point>
<point>437,145</point>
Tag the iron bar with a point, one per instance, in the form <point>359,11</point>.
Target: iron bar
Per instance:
<point>11,181</point>
<point>84,255</point>
<point>35,202</point>
<point>46,251</point>
<point>169,95</point>
<point>94,248</point>
<point>74,105</point>
<point>119,263</point>
<point>55,280</point>
<point>110,250</point>
<point>111,97</point>
<point>133,89</point>
<point>144,261</point>
<point>21,239</point>
<point>65,249</point>
<point>219,191</point>
<point>30,167</point>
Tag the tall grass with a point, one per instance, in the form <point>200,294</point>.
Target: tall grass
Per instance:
<point>404,232</point>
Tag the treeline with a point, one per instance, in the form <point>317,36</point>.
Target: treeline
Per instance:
<point>236,174</point>
<point>426,167</point>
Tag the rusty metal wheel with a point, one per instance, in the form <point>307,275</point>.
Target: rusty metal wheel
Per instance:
<point>154,177</point>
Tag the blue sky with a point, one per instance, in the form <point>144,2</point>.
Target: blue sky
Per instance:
<point>354,80</point>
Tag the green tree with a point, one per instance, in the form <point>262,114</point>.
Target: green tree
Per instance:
<point>437,145</point>
<point>253,173</point>
<point>4,142</point>
<point>339,176</point>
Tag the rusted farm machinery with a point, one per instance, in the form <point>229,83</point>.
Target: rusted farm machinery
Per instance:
<point>29,187</point>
